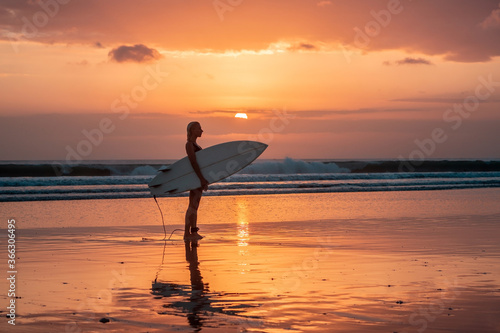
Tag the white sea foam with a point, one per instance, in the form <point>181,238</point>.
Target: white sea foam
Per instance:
<point>144,170</point>
<point>262,177</point>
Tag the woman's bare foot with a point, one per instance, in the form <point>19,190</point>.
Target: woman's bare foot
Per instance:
<point>196,235</point>
<point>192,237</point>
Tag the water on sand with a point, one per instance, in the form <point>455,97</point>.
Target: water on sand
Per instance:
<point>397,262</point>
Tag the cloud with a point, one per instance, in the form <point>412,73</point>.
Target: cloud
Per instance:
<point>13,74</point>
<point>82,63</point>
<point>324,3</point>
<point>458,30</point>
<point>303,114</point>
<point>409,61</point>
<point>138,136</point>
<point>210,113</point>
<point>413,61</point>
<point>456,100</point>
<point>493,20</point>
<point>331,114</point>
<point>303,47</point>
<point>137,53</point>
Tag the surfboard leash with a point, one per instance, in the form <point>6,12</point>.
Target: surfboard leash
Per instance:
<point>163,222</point>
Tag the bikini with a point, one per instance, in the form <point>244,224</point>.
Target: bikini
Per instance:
<point>196,147</point>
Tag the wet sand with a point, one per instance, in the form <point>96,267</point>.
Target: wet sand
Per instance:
<point>362,262</point>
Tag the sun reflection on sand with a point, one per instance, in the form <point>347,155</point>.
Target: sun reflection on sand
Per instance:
<point>243,235</point>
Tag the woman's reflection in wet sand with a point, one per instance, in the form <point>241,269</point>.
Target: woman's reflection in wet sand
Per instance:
<point>199,301</point>
<point>197,298</point>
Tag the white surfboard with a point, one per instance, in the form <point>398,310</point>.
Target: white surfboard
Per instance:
<point>216,163</point>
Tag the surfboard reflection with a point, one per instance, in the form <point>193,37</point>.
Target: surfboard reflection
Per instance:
<point>197,300</point>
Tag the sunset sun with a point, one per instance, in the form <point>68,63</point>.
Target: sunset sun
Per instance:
<point>241,115</point>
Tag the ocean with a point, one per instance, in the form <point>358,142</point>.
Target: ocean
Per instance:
<point>47,180</point>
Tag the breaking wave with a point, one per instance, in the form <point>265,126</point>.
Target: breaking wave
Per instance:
<point>110,180</point>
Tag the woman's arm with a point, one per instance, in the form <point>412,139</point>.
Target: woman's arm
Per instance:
<point>194,163</point>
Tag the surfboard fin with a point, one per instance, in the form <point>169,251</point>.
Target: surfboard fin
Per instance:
<point>172,191</point>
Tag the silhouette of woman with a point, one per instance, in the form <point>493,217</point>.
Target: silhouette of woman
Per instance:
<point>194,131</point>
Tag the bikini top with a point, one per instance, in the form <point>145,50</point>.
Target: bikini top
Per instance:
<point>196,147</point>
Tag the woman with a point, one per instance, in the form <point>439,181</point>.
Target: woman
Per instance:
<point>194,131</point>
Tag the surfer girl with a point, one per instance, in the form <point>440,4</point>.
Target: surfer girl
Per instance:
<point>194,131</point>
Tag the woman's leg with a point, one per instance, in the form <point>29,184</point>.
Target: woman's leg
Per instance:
<point>192,213</point>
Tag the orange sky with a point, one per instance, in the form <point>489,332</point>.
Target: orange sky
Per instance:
<point>318,79</point>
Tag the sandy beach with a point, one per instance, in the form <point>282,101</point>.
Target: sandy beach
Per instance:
<point>348,150</point>
<point>420,261</point>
